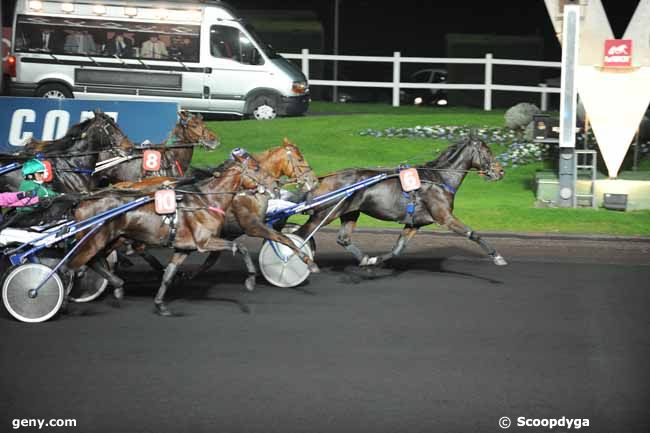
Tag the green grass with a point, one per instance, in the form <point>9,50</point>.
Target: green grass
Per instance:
<point>331,142</point>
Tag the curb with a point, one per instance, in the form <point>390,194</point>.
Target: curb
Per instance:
<point>513,235</point>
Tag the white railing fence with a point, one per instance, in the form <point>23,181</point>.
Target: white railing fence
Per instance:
<point>397,60</point>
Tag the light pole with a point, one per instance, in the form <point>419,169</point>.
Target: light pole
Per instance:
<point>336,48</point>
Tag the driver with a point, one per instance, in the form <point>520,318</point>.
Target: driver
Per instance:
<point>34,174</point>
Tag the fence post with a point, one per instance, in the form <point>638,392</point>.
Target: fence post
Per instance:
<point>305,62</point>
<point>396,77</point>
<point>543,103</point>
<point>487,96</point>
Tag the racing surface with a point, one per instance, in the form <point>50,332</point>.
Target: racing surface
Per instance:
<point>441,340</point>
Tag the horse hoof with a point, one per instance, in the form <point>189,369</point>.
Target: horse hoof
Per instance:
<point>369,261</point>
<point>250,283</point>
<point>162,310</point>
<point>499,260</point>
<point>313,268</point>
<point>118,293</point>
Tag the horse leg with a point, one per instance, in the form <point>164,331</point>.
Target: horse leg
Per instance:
<point>407,234</point>
<point>113,280</point>
<point>168,276</point>
<point>457,226</point>
<point>141,249</point>
<point>218,244</point>
<point>207,264</point>
<point>348,223</point>
<point>258,230</point>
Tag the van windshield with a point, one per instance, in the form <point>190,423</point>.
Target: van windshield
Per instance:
<point>270,53</point>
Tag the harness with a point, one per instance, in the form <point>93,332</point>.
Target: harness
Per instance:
<point>171,220</point>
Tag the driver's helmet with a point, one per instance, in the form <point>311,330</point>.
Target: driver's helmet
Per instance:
<point>239,154</point>
<point>33,166</point>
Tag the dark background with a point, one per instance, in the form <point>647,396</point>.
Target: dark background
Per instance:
<point>418,28</point>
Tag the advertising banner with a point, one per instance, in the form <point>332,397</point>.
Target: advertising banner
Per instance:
<point>47,119</point>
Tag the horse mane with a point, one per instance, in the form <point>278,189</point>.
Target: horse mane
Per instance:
<point>201,173</point>
<point>451,153</point>
<point>75,132</point>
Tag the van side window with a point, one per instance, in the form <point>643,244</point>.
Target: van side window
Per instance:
<point>100,38</point>
<point>230,43</point>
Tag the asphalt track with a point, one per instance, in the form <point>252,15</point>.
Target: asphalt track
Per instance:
<point>440,341</point>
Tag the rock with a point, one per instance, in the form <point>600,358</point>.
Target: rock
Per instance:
<point>529,131</point>
<point>520,115</point>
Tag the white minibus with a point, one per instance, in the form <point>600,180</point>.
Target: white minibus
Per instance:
<point>196,53</point>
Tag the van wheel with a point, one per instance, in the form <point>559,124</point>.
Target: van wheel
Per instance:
<point>54,91</point>
<point>264,108</point>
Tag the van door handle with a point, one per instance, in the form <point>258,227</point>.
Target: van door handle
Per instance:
<point>206,92</point>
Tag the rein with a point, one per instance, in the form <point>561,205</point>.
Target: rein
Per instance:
<point>168,146</point>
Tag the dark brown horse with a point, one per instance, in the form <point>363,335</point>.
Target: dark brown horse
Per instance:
<point>176,152</point>
<point>432,203</point>
<point>196,226</point>
<point>248,212</point>
<point>73,156</point>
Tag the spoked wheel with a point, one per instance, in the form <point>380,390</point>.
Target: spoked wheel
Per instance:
<point>292,228</point>
<point>89,285</point>
<point>23,302</point>
<point>280,266</point>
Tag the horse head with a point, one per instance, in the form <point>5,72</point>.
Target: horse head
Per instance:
<point>103,133</point>
<point>482,158</point>
<point>91,134</point>
<point>295,166</point>
<point>192,129</point>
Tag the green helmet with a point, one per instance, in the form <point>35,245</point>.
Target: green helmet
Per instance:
<point>33,166</point>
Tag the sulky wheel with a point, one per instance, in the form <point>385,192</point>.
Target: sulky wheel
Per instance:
<point>88,284</point>
<point>20,299</point>
<point>280,266</point>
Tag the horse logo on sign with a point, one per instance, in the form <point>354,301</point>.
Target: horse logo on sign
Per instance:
<point>618,52</point>
<point>409,179</point>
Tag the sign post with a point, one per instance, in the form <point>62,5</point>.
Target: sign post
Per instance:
<point>568,105</point>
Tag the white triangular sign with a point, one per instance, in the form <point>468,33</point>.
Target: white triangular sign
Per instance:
<point>615,102</point>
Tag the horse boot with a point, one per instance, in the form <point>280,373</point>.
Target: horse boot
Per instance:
<point>162,310</point>
<point>313,267</point>
<point>113,280</point>
<point>498,259</point>
<point>250,282</point>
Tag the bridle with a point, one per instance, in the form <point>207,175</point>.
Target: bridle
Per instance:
<point>300,169</point>
<point>174,139</point>
<point>484,161</point>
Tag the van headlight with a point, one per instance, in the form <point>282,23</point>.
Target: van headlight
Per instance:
<point>300,87</point>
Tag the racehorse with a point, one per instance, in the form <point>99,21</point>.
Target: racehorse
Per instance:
<point>72,156</point>
<point>176,152</point>
<point>281,161</point>
<point>247,213</point>
<point>433,202</point>
<point>196,225</point>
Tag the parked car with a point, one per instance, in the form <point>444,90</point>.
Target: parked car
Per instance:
<point>435,97</point>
